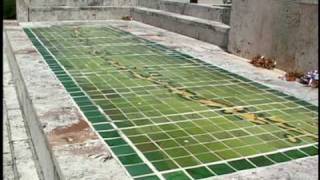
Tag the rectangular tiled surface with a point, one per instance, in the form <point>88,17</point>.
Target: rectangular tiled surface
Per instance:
<point>180,117</point>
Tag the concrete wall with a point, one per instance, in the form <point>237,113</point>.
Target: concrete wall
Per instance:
<point>286,30</point>
<point>204,30</point>
<point>22,10</point>
<point>78,3</point>
<point>78,13</point>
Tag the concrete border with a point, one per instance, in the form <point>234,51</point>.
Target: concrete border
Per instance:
<point>47,162</point>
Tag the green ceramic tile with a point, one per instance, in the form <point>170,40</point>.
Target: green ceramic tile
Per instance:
<point>311,150</point>
<point>109,134</point>
<point>130,159</point>
<point>152,177</point>
<point>241,164</point>
<point>137,170</point>
<point>186,161</point>
<point>155,155</point>
<point>177,152</point>
<point>261,161</point>
<point>207,157</point>
<point>100,127</point>
<point>122,150</point>
<point>116,142</point>
<point>199,173</point>
<point>227,154</point>
<point>164,165</point>
<point>278,157</point>
<point>295,154</point>
<point>176,175</point>
<point>220,169</point>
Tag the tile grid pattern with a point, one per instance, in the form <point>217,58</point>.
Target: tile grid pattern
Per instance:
<point>165,142</point>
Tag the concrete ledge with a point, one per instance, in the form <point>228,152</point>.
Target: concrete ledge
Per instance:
<point>77,13</point>
<point>78,3</point>
<point>214,13</point>
<point>205,30</point>
<point>46,160</point>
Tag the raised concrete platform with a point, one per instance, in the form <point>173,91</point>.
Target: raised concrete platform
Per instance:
<point>214,13</point>
<point>205,30</point>
<point>65,140</point>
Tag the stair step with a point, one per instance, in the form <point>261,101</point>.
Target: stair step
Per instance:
<point>215,13</point>
<point>206,30</point>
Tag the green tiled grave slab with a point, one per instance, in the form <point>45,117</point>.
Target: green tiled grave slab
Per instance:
<point>182,114</point>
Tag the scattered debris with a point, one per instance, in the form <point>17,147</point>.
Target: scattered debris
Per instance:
<point>293,76</point>
<point>311,79</point>
<point>261,61</point>
<point>127,18</point>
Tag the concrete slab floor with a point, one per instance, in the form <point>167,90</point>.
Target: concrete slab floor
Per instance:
<point>218,57</point>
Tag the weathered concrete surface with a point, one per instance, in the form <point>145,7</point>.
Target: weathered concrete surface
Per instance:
<point>63,13</point>
<point>81,3</point>
<point>286,30</point>
<point>19,161</point>
<point>59,131</point>
<point>214,13</point>
<point>205,51</point>
<point>22,10</point>
<point>205,30</point>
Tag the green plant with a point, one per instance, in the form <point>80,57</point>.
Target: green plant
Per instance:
<point>9,9</point>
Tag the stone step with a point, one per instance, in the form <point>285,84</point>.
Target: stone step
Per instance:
<point>215,13</point>
<point>205,30</point>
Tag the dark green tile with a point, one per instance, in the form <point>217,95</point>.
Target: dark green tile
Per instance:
<point>278,157</point>
<point>177,175</point>
<point>152,177</point>
<point>98,119</point>
<point>261,161</point>
<point>137,170</point>
<point>122,150</point>
<point>100,127</point>
<point>295,154</point>
<point>116,142</point>
<point>221,169</point>
<point>109,134</point>
<point>241,164</point>
<point>311,150</point>
<point>199,173</point>
<point>130,159</point>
